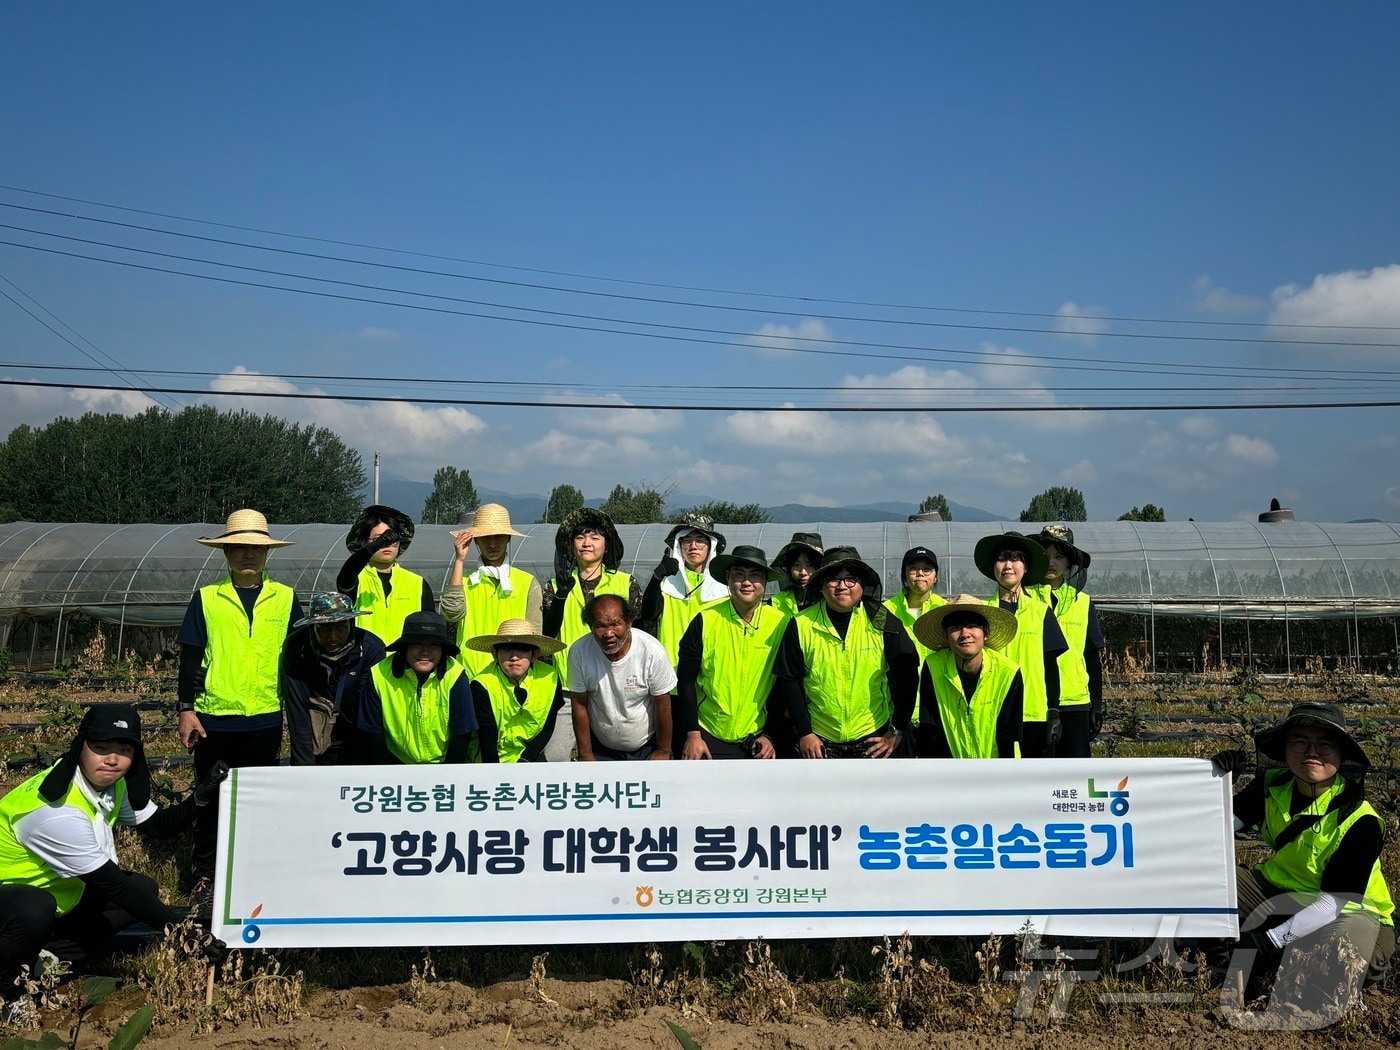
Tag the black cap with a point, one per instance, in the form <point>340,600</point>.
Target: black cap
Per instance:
<point>104,722</point>
<point>914,554</point>
<point>112,722</point>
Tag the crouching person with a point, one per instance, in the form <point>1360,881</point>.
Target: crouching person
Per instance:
<point>417,705</point>
<point>61,887</point>
<point>517,698</point>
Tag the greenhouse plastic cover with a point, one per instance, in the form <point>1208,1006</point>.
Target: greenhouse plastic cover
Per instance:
<point>146,574</point>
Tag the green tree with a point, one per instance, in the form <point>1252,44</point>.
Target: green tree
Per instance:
<point>198,464</point>
<point>1147,512</point>
<point>721,510</point>
<point>641,506</point>
<point>1057,504</point>
<point>938,503</point>
<point>563,501</point>
<point>453,495</point>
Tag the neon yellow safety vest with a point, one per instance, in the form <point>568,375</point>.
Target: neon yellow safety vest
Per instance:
<point>785,601</point>
<point>970,723</point>
<point>19,867</point>
<point>572,628</point>
<point>516,723</point>
<point>899,605</point>
<point>1072,610</point>
<point>486,609</point>
<point>386,615</point>
<point>242,655</point>
<point>676,614</point>
<point>1027,650</point>
<point>415,718</point>
<point>736,668</point>
<point>1297,866</point>
<point>848,693</point>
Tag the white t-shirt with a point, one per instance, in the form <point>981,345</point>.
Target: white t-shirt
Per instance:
<point>620,691</point>
<point>69,841</point>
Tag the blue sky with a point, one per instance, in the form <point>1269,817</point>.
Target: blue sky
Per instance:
<point>1189,162</point>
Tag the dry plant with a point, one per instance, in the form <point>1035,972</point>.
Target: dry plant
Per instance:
<point>913,992</point>
<point>420,976</point>
<point>537,976</point>
<point>763,992</point>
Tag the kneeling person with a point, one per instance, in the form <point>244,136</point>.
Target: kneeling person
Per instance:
<point>726,664</point>
<point>620,683</point>
<point>417,706</point>
<point>516,696</point>
<point>970,696</point>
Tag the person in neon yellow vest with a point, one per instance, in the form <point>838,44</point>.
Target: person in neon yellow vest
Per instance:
<point>725,689</point>
<point>60,883</point>
<point>970,695</point>
<point>681,584</point>
<point>372,577</point>
<point>519,696</point>
<point>797,560</point>
<point>587,552</point>
<point>919,572</point>
<point>228,696</point>
<point>417,705</point>
<point>477,603</point>
<point>847,670</point>
<point>1081,665</point>
<point>1324,881</point>
<point>1016,562</point>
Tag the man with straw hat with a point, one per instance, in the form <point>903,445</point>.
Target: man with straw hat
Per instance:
<point>1081,665</point>
<point>726,664</point>
<point>681,584</point>
<point>1016,562</point>
<point>495,592</point>
<point>518,697</point>
<point>325,661</point>
<point>372,577</point>
<point>970,696</point>
<point>417,705</point>
<point>1323,883</point>
<point>229,703</point>
<point>846,668</point>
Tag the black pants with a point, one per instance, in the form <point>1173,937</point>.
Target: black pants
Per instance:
<point>29,921</point>
<point>1035,740</point>
<point>258,748</point>
<point>724,749</point>
<point>1074,741</point>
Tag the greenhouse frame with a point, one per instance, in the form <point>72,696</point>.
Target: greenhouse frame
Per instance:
<point>141,576</point>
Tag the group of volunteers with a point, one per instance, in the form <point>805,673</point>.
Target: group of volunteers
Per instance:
<point>707,659</point>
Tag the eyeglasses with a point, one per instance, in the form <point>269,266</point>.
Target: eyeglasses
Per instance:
<point>843,581</point>
<point>921,570</point>
<point>695,540</point>
<point>1301,745</point>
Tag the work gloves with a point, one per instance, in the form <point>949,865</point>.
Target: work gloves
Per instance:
<point>208,788</point>
<point>668,567</point>
<point>1095,719</point>
<point>1053,729</point>
<point>1233,762</point>
<point>386,538</point>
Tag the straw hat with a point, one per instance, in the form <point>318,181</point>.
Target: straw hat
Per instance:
<point>1001,625</point>
<point>984,556</point>
<point>245,528</point>
<point>515,632</point>
<point>491,519</point>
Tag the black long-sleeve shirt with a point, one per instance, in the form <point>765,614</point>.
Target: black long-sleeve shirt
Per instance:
<point>488,732</point>
<point>347,580</point>
<point>931,738</point>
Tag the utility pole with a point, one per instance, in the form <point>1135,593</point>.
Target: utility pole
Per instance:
<point>376,478</point>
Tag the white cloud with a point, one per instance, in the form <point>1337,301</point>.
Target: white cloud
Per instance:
<point>1211,298</point>
<point>380,335</point>
<point>784,338</point>
<point>1082,322</point>
<point>1251,451</point>
<point>601,421</point>
<point>1078,474</point>
<point>1351,297</point>
<point>39,406</point>
<point>1199,427</point>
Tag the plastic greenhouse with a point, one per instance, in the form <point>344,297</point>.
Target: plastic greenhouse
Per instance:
<point>139,577</point>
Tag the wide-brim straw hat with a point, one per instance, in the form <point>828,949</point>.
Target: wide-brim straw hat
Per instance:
<point>244,528</point>
<point>984,555</point>
<point>1001,625</point>
<point>1062,536</point>
<point>516,632</point>
<point>697,523</point>
<point>426,628</point>
<point>743,555</point>
<point>1273,742</point>
<point>358,536</point>
<point>838,558</point>
<point>809,543</point>
<point>492,519</point>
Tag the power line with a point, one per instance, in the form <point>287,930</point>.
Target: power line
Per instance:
<point>651,300</point>
<point>671,287</point>
<point>664,407</point>
<point>747,339</point>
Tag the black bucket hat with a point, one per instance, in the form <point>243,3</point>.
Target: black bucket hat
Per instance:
<point>103,722</point>
<point>698,523</point>
<point>575,522</point>
<point>743,555</point>
<point>845,558</point>
<point>1273,742</point>
<point>984,555</point>
<point>1062,536</point>
<point>371,516</point>
<point>808,543</point>
<point>426,628</point>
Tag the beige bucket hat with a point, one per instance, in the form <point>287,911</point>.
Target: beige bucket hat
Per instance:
<point>517,632</point>
<point>245,528</point>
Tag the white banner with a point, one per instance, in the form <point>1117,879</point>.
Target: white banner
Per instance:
<point>659,851</point>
